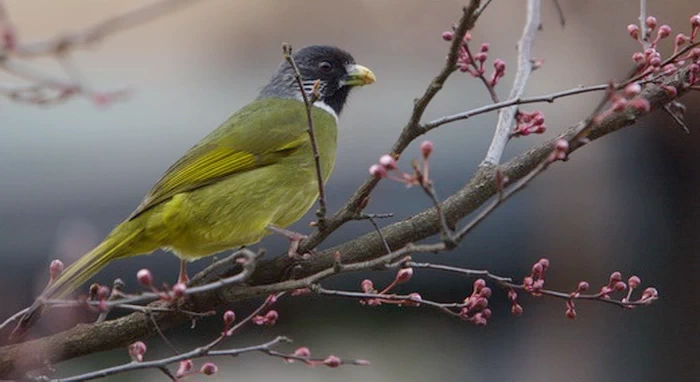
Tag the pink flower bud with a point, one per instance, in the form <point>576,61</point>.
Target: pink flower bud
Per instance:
<point>650,293</point>
<point>447,36</point>
<point>209,368</point>
<point>620,286</point>
<point>562,145</point>
<point>633,282</point>
<point>639,58</point>
<point>415,297</point>
<point>681,39</point>
<point>367,286</point>
<point>655,61</point>
<point>537,269</point>
<point>137,350</point>
<point>103,292</point>
<point>332,361</point>
<point>486,313</point>
<point>387,161</point>
<point>479,284</point>
<point>55,269</point>
<point>145,278</point>
<point>633,90</point>
<point>544,262</point>
<point>404,274</point>
<point>229,318</point>
<point>571,313</point>
<point>640,104</point>
<point>516,309</point>
<point>271,317</point>
<point>426,148</point>
<point>179,290</point>
<point>651,22</point>
<point>302,352</point>
<point>695,21</point>
<point>615,277</point>
<point>695,54</point>
<point>669,69</point>
<point>619,105</point>
<point>480,57</point>
<point>633,31</point>
<point>485,292</point>
<point>481,303</point>
<point>484,47</point>
<point>378,171</point>
<point>664,31</point>
<point>528,281</point>
<point>184,367</point>
<point>583,286</point>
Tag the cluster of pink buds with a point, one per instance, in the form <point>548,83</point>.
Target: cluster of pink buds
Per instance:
<point>560,152</point>
<point>267,319</point>
<point>515,308</point>
<point>388,168</point>
<point>303,354</point>
<point>474,64</point>
<point>615,284</point>
<point>403,275</point>
<point>145,278</point>
<point>475,309</point>
<point>186,369</point>
<point>529,123</point>
<point>535,281</point>
<point>649,59</point>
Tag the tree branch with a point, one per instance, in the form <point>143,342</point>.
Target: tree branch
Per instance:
<point>506,116</point>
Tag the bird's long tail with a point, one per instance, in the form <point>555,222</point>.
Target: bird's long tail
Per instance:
<point>123,241</point>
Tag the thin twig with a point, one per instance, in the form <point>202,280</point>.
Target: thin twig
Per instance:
<point>560,13</point>
<point>13,318</point>
<point>644,32</point>
<point>161,363</point>
<point>249,260</point>
<point>308,103</point>
<point>549,98</point>
<point>507,282</point>
<point>506,116</point>
<point>373,221</point>
<point>101,29</point>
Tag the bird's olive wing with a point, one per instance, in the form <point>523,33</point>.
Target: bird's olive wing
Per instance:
<point>252,138</point>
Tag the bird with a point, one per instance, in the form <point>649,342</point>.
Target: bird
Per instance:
<point>253,175</point>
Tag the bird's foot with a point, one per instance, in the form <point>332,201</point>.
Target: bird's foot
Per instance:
<point>183,277</point>
<point>295,238</point>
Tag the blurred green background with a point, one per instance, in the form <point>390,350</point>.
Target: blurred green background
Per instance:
<point>627,202</point>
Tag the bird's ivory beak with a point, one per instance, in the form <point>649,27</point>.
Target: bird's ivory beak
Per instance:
<point>358,75</point>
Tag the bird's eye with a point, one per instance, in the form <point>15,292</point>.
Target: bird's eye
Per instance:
<point>325,66</point>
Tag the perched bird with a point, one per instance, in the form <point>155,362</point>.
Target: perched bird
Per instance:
<point>253,173</point>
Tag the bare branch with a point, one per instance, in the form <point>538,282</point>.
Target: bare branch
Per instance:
<point>309,100</point>
<point>506,116</point>
<point>98,31</point>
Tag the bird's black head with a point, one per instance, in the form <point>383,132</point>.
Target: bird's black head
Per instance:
<point>333,67</point>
